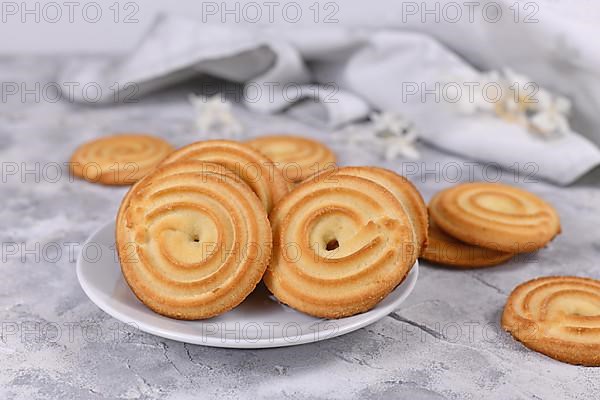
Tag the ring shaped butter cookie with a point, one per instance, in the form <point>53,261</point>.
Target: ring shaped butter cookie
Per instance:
<point>338,247</point>
<point>404,191</point>
<point>119,159</point>
<point>496,216</point>
<point>193,240</point>
<point>296,156</point>
<point>557,316</point>
<point>445,250</point>
<point>251,166</point>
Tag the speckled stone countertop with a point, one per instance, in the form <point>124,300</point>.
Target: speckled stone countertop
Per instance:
<point>443,343</point>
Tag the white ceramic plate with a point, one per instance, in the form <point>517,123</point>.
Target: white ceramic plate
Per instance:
<point>259,322</point>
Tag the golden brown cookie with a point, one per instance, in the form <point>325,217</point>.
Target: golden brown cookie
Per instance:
<point>446,250</point>
<point>251,166</point>
<point>297,157</point>
<point>339,247</point>
<point>119,159</point>
<point>496,216</point>
<point>193,239</point>
<point>558,316</point>
<point>406,193</point>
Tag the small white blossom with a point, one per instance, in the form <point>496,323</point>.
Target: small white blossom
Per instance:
<point>389,133</point>
<point>550,122</point>
<point>520,101</point>
<point>214,116</point>
<point>472,99</point>
<point>563,105</point>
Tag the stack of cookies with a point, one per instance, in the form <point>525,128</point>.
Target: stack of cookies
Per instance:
<point>482,224</point>
<point>197,233</point>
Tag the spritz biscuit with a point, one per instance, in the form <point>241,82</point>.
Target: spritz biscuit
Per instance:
<point>258,171</point>
<point>496,216</point>
<point>193,240</point>
<point>445,250</point>
<point>558,316</point>
<point>297,157</point>
<point>120,159</point>
<point>339,246</point>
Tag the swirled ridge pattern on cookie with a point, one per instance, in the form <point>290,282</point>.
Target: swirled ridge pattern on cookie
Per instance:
<point>119,159</point>
<point>193,240</point>
<point>338,247</point>
<point>557,316</point>
<point>494,215</point>
<point>404,191</point>
<point>251,166</point>
<point>297,157</point>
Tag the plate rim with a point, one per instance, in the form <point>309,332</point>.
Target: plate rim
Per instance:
<point>370,316</point>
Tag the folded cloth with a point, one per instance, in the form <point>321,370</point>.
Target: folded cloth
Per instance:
<point>335,76</point>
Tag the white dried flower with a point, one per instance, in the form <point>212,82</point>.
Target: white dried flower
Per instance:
<point>472,99</point>
<point>520,101</point>
<point>550,122</point>
<point>389,133</point>
<point>214,116</point>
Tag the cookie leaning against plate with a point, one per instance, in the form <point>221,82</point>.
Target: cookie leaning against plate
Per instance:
<point>251,166</point>
<point>339,247</point>
<point>120,159</point>
<point>558,316</point>
<point>193,240</point>
<point>298,157</point>
<point>496,216</point>
<point>445,250</point>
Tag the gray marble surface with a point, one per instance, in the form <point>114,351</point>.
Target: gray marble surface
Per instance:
<point>444,342</point>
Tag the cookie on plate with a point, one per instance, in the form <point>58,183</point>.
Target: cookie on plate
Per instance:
<point>251,166</point>
<point>193,240</point>
<point>339,246</point>
<point>297,157</point>
<point>404,191</point>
